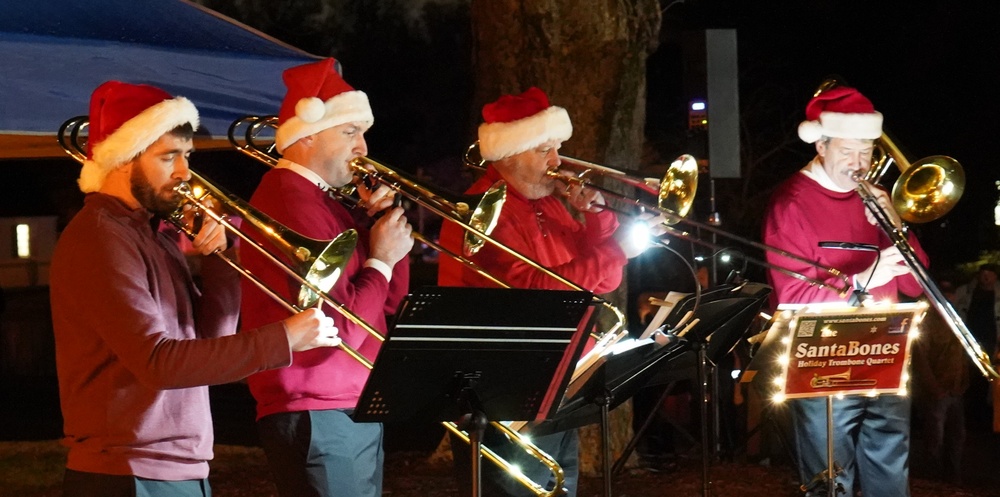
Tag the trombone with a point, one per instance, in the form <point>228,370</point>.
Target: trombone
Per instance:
<point>925,190</point>
<point>318,263</point>
<point>478,222</point>
<point>675,195</point>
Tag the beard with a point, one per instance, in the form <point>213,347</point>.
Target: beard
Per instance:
<point>161,203</point>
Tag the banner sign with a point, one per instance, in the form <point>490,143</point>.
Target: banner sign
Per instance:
<point>849,350</point>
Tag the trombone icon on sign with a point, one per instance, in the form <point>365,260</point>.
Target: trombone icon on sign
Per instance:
<point>840,380</point>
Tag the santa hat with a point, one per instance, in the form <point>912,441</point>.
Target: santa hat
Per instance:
<point>317,99</point>
<point>124,120</point>
<point>840,112</point>
<point>515,123</point>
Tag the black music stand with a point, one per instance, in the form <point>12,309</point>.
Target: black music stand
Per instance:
<point>725,314</point>
<point>460,354</point>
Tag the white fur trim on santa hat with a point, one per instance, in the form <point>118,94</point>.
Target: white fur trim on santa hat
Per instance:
<point>504,139</point>
<point>862,126</point>
<point>311,117</point>
<point>133,137</point>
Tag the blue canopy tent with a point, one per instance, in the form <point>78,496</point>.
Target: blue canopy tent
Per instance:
<point>53,53</point>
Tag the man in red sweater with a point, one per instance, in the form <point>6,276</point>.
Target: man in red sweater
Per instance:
<point>520,138</point>
<point>137,342</point>
<point>819,203</point>
<point>312,445</point>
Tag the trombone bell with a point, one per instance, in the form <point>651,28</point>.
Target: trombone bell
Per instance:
<point>677,190</point>
<point>326,267</point>
<point>485,217</point>
<point>928,189</point>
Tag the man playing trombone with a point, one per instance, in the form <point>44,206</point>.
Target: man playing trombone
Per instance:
<point>520,138</point>
<point>312,445</point>
<point>820,204</point>
<point>137,343</point>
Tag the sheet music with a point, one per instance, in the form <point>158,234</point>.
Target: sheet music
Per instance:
<point>665,306</point>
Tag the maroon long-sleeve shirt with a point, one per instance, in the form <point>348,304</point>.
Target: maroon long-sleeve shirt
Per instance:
<point>137,343</point>
<point>325,378</point>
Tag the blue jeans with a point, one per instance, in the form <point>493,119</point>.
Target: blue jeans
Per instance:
<point>871,442</point>
<point>323,454</point>
<point>83,484</point>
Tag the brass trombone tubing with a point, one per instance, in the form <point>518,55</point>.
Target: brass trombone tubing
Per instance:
<point>529,448</point>
<point>674,219</point>
<point>337,306</point>
<point>248,146</point>
<point>388,177</point>
<point>920,273</point>
<point>684,235</point>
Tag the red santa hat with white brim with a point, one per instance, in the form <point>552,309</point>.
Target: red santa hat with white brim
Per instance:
<point>124,120</point>
<point>318,98</point>
<point>840,112</point>
<point>516,123</point>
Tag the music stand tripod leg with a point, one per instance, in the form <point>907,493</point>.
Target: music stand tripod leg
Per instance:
<point>634,442</point>
<point>703,379</point>
<point>828,475</point>
<point>474,423</point>
<point>604,402</point>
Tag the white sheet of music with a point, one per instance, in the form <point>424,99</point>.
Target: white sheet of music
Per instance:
<point>665,306</point>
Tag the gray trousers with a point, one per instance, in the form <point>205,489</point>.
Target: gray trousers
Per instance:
<point>81,484</point>
<point>323,454</point>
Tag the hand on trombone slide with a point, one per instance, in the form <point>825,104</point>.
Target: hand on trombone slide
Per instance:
<point>210,236</point>
<point>379,198</point>
<point>579,196</point>
<point>390,238</point>
<point>310,329</point>
<point>888,265</point>
<point>885,202</point>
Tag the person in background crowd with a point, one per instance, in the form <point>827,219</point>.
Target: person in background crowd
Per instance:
<point>940,379</point>
<point>978,302</point>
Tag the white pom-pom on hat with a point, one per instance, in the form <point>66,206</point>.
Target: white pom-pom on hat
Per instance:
<point>810,131</point>
<point>310,109</point>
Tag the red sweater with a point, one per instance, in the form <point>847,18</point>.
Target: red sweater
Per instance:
<point>325,378</point>
<point>586,254</point>
<point>803,213</point>
<point>126,316</point>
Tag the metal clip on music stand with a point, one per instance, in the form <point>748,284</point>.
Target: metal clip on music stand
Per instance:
<point>476,355</point>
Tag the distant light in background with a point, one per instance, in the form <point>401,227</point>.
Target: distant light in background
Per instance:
<point>22,234</point>
<point>697,115</point>
<point>996,209</point>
